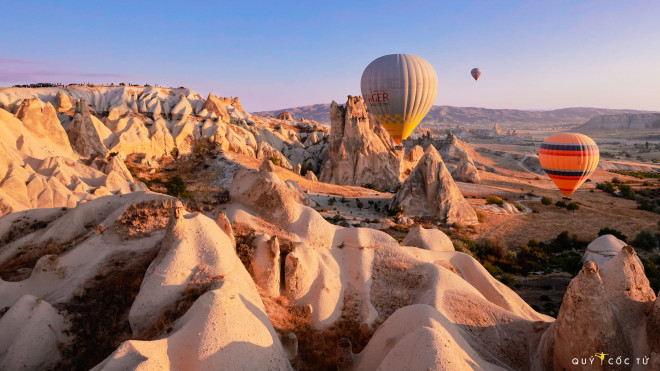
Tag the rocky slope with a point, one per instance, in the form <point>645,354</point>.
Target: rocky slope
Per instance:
<point>137,281</point>
<point>615,123</point>
<point>82,126</point>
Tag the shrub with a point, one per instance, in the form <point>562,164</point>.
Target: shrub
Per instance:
<point>481,217</point>
<point>488,247</point>
<point>176,187</point>
<point>626,191</point>
<point>275,161</point>
<point>112,154</point>
<point>396,211</point>
<point>494,200</point>
<point>343,200</point>
<point>175,153</point>
<point>572,206</point>
<point>370,186</point>
<point>616,180</point>
<point>561,204</point>
<point>520,207</point>
<point>546,200</point>
<point>606,187</point>
<point>614,232</point>
<point>646,240</point>
<point>331,201</point>
<point>359,203</point>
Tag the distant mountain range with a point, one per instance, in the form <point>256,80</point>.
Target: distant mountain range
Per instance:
<point>449,115</point>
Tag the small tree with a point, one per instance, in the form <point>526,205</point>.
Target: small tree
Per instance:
<point>175,153</point>
<point>359,203</point>
<point>546,200</point>
<point>572,206</point>
<point>646,240</point>
<point>561,204</point>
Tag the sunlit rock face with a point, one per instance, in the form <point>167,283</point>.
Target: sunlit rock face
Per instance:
<point>360,151</point>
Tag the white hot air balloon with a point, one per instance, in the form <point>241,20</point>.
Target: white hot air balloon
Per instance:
<point>400,90</point>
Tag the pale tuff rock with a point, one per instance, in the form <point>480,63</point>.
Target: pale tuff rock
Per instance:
<point>265,152</point>
<point>286,115</point>
<point>232,101</point>
<point>604,308</point>
<point>225,224</point>
<point>297,169</point>
<point>216,106</point>
<point>419,337</point>
<point>51,178</point>
<point>431,191</point>
<point>428,239</point>
<point>267,166</point>
<point>461,154</point>
<point>509,208</point>
<point>497,130</point>
<point>36,330</point>
<point>63,102</point>
<point>266,193</point>
<point>410,160</point>
<point>311,176</point>
<point>266,264</point>
<point>603,249</point>
<point>360,151</point>
<point>466,170</point>
<point>194,247</point>
<point>84,135</point>
<point>44,124</point>
<point>585,322</point>
<point>182,109</point>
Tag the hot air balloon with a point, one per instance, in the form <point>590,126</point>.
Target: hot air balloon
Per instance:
<point>569,159</point>
<point>475,73</point>
<point>400,90</point>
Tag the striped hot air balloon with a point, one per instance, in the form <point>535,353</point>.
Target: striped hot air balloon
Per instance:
<point>475,73</point>
<point>569,159</point>
<point>400,90</point>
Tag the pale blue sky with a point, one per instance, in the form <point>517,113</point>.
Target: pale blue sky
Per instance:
<point>534,54</point>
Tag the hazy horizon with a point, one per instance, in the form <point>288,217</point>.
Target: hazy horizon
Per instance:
<point>273,56</point>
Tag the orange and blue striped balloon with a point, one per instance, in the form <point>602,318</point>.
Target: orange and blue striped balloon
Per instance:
<point>569,159</point>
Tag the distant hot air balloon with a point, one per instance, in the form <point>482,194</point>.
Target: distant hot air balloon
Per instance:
<point>569,159</point>
<point>400,90</point>
<point>475,73</point>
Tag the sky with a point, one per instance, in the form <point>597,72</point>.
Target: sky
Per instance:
<point>281,54</point>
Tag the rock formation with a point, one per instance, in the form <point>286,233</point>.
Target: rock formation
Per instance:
<point>214,105</point>
<point>84,134</point>
<point>359,150</point>
<point>431,191</point>
<point>428,239</point>
<point>606,308</point>
<point>44,124</point>
<point>603,249</point>
<point>286,115</point>
<point>63,102</point>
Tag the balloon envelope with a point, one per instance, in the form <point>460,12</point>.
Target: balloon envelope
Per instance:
<point>400,90</point>
<point>569,159</point>
<point>475,73</point>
